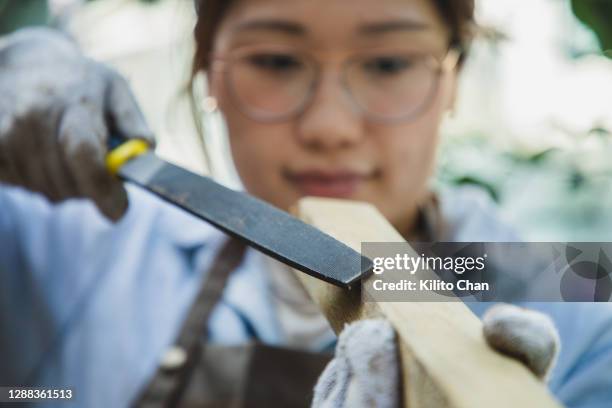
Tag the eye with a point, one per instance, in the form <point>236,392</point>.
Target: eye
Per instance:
<point>276,62</point>
<point>389,65</point>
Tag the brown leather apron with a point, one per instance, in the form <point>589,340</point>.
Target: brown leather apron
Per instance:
<point>199,374</point>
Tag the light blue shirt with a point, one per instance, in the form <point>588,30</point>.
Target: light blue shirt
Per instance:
<point>93,306</point>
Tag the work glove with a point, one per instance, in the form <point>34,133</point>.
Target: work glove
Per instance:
<point>57,110</point>
<point>365,369</point>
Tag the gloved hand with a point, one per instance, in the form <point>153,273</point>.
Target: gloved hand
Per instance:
<point>365,369</point>
<point>57,109</point>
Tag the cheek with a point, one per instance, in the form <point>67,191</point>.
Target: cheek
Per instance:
<point>259,152</point>
<point>409,155</point>
<point>410,151</point>
<point>407,159</point>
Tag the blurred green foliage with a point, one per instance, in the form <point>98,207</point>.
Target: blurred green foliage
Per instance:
<point>15,14</point>
<point>553,194</point>
<point>596,14</point>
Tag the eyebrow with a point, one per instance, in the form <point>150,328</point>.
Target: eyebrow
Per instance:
<point>393,26</point>
<point>296,29</point>
<point>283,26</point>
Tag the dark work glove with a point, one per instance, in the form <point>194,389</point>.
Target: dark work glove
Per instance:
<point>57,110</point>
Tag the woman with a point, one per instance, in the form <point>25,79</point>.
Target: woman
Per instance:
<point>327,98</point>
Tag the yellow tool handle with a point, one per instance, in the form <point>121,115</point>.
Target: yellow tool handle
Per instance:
<point>125,152</point>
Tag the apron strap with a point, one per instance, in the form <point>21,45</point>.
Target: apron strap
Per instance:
<point>168,385</point>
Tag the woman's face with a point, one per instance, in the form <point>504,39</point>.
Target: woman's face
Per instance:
<point>332,147</point>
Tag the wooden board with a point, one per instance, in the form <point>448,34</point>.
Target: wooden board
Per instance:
<point>444,357</point>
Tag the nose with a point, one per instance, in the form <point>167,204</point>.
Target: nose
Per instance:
<point>330,121</point>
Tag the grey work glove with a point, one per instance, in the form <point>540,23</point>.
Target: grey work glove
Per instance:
<point>57,110</point>
<point>365,368</point>
<point>526,335</point>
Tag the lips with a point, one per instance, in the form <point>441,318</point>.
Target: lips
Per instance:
<point>334,184</point>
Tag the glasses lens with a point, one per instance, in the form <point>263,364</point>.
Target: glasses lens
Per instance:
<point>271,84</point>
<point>392,86</point>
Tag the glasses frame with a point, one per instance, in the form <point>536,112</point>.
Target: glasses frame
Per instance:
<point>222,63</point>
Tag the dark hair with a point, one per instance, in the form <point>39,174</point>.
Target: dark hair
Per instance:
<point>458,14</point>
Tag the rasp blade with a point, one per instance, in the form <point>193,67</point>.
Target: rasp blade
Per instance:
<point>259,224</point>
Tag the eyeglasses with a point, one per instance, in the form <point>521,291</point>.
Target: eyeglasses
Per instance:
<point>273,84</point>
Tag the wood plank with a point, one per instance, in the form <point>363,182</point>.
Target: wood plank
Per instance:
<point>445,359</point>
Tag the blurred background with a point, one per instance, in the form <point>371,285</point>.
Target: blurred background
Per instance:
<point>533,126</point>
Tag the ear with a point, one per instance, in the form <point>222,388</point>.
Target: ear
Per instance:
<point>214,79</point>
<point>210,83</point>
<point>453,84</point>
<point>206,85</point>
